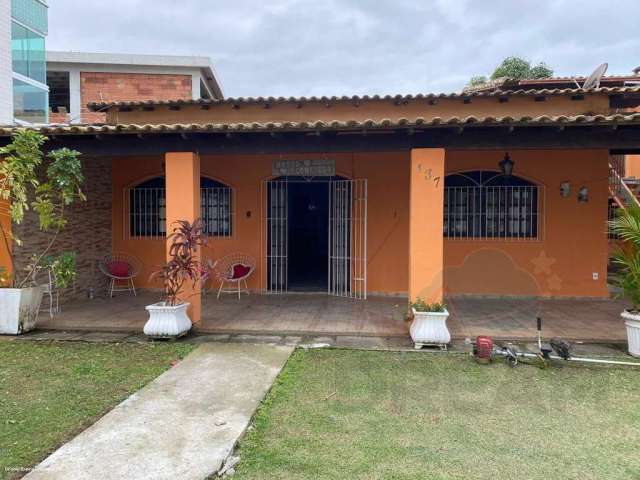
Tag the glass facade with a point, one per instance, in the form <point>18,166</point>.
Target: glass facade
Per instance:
<point>32,13</point>
<point>28,53</point>
<point>30,103</point>
<point>29,27</point>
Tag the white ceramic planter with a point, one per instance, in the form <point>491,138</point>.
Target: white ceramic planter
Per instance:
<point>632,322</point>
<point>430,328</point>
<point>19,309</point>
<point>166,321</point>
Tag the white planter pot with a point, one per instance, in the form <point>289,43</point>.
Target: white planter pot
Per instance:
<point>632,322</point>
<point>19,309</point>
<point>430,328</point>
<point>167,321</point>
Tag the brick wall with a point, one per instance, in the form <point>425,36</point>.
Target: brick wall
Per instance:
<point>113,87</point>
<point>59,116</point>
<point>88,232</point>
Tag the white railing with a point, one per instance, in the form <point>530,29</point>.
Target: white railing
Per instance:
<point>144,212</point>
<point>511,213</point>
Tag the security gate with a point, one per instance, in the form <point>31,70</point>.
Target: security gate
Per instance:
<point>347,252</point>
<point>275,235</point>
<point>348,238</point>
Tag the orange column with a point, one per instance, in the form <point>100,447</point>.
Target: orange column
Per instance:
<point>5,249</point>
<point>183,203</point>
<point>426,204</point>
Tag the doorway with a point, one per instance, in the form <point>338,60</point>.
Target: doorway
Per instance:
<point>315,236</point>
<point>308,225</point>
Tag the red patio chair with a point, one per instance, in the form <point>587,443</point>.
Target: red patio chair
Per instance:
<point>234,270</point>
<point>121,269</point>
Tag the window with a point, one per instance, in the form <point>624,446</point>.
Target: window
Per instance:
<point>59,91</point>
<point>485,204</point>
<point>28,53</point>
<point>29,102</point>
<point>32,13</point>
<point>216,206</point>
<point>147,208</point>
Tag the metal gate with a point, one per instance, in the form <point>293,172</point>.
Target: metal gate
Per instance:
<point>347,256</point>
<point>275,234</point>
<point>348,238</point>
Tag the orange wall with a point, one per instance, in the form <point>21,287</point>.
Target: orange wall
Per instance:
<point>561,264</point>
<point>575,241</point>
<point>632,166</point>
<point>388,180</point>
<point>343,110</point>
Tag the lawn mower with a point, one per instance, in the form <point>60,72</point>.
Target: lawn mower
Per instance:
<point>484,351</point>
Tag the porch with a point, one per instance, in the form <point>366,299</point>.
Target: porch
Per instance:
<point>587,320</point>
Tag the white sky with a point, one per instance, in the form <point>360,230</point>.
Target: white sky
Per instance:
<point>332,47</point>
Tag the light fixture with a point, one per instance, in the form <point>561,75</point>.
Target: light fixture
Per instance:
<point>565,189</point>
<point>583,195</point>
<point>506,165</point>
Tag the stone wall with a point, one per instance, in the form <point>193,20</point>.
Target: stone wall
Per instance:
<point>88,232</point>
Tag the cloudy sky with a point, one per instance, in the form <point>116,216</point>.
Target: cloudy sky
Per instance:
<point>346,47</point>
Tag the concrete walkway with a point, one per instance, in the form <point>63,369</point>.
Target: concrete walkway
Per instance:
<point>182,425</point>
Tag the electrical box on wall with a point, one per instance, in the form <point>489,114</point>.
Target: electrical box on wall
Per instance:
<point>595,275</point>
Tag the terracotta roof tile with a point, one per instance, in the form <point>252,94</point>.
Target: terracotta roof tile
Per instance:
<point>365,98</point>
<point>437,122</point>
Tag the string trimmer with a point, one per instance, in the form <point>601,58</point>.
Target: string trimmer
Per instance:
<point>557,349</point>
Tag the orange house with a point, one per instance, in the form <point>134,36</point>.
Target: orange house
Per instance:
<point>498,193</point>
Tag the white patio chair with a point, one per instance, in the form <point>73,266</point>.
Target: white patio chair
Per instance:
<point>120,268</point>
<point>51,291</point>
<point>233,271</point>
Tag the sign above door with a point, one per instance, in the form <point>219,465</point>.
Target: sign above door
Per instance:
<point>304,168</point>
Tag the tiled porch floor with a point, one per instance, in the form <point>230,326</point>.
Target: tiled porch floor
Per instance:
<point>257,314</point>
<point>515,319</point>
<point>317,314</point>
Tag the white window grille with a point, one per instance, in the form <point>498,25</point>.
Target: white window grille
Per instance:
<point>145,210</point>
<point>216,205</point>
<point>511,210</point>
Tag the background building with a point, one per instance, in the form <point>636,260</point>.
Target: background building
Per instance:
<point>78,78</point>
<point>23,88</point>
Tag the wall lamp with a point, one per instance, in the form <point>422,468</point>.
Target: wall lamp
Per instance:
<point>506,165</point>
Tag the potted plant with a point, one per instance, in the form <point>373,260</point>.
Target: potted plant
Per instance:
<point>429,325</point>
<point>22,189</point>
<point>168,318</point>
<point>626,260</point>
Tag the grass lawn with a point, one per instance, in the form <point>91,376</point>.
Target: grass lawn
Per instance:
<point>51,391</point>
<point>344,414</point>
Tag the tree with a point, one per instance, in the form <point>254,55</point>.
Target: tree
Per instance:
<point>23,190</point>
<point>515,68</point>
<point>477,80</point>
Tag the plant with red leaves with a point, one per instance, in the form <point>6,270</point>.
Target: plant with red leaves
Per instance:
<point>182,267</point>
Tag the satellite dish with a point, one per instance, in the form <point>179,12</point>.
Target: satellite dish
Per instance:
<point>593,80</point>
